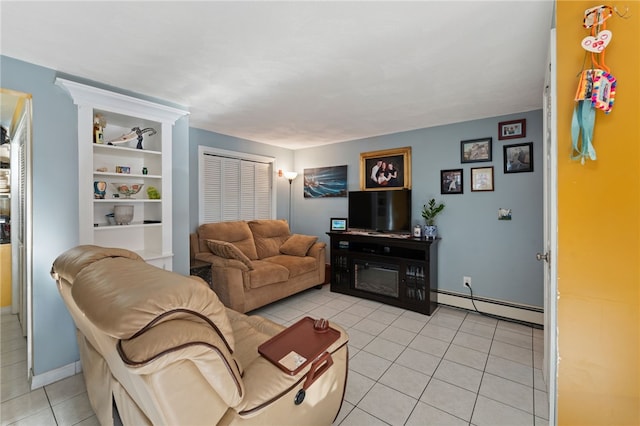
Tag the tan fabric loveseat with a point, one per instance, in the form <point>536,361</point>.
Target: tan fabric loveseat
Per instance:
<point>257,262</point>
<point>163,347</point>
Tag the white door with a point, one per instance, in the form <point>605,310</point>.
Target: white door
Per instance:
<point>549,256</point>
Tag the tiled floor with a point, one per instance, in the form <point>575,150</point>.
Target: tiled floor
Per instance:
<point>452,368</point>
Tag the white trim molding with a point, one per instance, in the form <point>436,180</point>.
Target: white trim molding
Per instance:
<point>508,310</point>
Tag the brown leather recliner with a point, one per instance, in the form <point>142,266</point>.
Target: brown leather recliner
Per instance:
<point>168,352</point>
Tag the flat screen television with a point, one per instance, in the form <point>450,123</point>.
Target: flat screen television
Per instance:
<point>380,211</point>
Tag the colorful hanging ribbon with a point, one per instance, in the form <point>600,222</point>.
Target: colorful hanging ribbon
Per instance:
<point>597,86</point>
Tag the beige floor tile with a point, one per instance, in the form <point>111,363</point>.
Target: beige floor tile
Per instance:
<point>426,415</point>
<point>452,399</point>
<point>358,339</point>
<point>387,404</point>
<point>8,359</point>
<point>508,392</point>
<point>419,361</point>
<point>541,404</point>
<point>10,389</point>
<point>408,323</point>
<point>383,317</point>
<point>405,380</point>
<point>514,338</point>
<point>23,406</point>
<point>478,329</point>
<point>437,332</point>
<point>369,326</point>
<point>357,387</point>
<point>65,389</point>
<point>74,410</point>
<point>358,417</point>
<point>369,365</point>
<point>91,421</point>
<point>429,345</point>
<point>511,370</point>
<point>472,341</point>
<point>384,348</point>
<point>512,352</point>
<point>398,335</point>
<point>345,409</point>
<point>493,413</point>
<point>459,375</point>
<point>466,356</point>
<point>9,345</point>
<point>41,418</point>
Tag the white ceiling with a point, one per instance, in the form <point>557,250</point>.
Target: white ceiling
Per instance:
<point>303,73</point>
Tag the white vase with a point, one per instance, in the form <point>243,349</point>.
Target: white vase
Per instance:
<point>430,232</point>
<point>123,214</point>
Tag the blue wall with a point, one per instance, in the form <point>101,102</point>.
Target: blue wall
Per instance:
<point>498,255</point>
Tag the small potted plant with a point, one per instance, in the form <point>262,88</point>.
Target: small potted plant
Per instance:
<point>429,213</point>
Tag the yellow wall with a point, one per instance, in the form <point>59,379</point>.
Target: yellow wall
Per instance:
<point>599,233</point>
<point>5,275</point>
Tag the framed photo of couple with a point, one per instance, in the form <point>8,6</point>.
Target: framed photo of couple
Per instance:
<point>388,169</point>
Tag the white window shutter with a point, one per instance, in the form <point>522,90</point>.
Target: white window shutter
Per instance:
<point>235,189</point>
<point>211,194</point>
<point>262,184</point>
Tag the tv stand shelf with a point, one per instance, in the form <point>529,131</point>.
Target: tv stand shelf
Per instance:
<point>396,270</point>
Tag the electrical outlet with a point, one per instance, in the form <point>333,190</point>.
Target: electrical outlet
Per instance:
<point>466,281</point>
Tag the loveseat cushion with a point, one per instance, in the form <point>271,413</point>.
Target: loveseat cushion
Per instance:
<point>296,265</point>
<point>236,232</point>
<point>228,251</point>
<point>269,235</point>
<point>298,245</point>
<point>266,273</point>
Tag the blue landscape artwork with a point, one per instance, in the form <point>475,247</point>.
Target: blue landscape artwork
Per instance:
<point>324,182</point>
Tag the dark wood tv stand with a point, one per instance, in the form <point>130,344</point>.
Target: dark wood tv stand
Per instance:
<point>399,271</point>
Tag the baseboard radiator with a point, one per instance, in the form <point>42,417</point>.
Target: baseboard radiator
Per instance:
<point>526,314</point>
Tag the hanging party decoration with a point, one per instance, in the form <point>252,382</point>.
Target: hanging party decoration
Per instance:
<point>596,86</point>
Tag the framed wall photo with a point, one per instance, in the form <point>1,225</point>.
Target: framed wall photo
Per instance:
<point>512,129</point>
<point>325,182</point>
<point>475,150</point>
<point>482,179</point>
<point>518,158</point>
<point>451,181</point>
<point>386,169</point>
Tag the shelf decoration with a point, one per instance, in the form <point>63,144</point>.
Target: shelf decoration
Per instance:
<point>596,87</point>
<point>135,133</point>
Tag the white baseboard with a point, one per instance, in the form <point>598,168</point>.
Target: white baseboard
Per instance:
<point>51,376</point>
<point>517,312</point>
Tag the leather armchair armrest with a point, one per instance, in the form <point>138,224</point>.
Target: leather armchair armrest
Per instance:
<point>177,341</point>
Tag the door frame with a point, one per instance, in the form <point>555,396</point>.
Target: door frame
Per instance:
<point>21,250</point>
<point>550,226</point>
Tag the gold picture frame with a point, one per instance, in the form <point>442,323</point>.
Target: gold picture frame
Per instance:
<point>388,169</point>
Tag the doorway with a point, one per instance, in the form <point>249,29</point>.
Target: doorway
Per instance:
<point>15,201</point>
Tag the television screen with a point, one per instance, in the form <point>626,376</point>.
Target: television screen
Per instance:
<point>382,211</point>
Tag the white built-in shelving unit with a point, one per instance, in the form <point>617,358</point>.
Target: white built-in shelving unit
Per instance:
<point>150,232</point>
